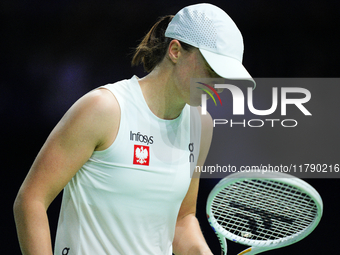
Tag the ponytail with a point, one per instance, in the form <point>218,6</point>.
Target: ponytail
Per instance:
<point>151,51</point>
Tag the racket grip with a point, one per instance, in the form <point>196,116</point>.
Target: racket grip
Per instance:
<point>223,243</point>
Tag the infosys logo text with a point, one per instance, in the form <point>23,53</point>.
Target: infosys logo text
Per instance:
<point>138,137</point>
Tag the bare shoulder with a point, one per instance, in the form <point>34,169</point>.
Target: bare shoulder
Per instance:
<point>88,125</point>
<point>96,106</point>
<point>99,101</point>
<point>96,115</point>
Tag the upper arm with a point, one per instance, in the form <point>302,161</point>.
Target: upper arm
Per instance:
<point>86,126</point>
<point>189,203</point>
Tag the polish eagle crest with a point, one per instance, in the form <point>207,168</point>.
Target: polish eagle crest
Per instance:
<point>141,155</point>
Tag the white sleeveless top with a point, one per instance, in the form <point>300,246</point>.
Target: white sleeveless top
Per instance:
<point>125,199</point>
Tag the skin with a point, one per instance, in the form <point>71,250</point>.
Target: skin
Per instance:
<point>92,124</point>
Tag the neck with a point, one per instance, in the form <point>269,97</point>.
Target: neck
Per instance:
<point>161,94</point>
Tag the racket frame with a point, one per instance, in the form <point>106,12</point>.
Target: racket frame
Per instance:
<point>256,245</point>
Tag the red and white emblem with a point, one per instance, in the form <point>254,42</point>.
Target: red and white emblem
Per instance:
<point>141,155</point>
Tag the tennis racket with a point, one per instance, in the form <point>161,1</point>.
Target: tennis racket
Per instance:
<point>264,211</point>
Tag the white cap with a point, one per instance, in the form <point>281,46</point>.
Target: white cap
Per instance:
<point>215,34</point>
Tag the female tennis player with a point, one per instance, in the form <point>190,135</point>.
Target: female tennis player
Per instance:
<point>123,152</point>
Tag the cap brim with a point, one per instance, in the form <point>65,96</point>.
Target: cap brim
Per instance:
<point>226,67</point>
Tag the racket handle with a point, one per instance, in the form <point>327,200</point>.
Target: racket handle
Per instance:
<point>223,243</point>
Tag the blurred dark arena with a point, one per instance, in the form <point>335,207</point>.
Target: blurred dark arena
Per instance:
<point>53,52</point>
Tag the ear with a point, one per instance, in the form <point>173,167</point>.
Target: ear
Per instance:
<point>174,50</point>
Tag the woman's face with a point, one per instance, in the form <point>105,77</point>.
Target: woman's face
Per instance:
<point>190,68</point>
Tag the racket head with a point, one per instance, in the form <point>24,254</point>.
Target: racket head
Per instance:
<point>265,211</point>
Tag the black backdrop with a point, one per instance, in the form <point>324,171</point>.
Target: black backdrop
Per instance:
<point>52,52</point>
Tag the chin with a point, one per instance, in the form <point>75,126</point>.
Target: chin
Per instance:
<point>195,103</point>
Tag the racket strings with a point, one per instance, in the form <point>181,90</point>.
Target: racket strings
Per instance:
<point>263,209</point>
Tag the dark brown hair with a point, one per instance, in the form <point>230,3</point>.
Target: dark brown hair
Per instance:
<point>152,49</point>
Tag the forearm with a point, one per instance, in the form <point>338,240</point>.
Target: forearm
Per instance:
<point>32,227</point>
<point>188,238</point>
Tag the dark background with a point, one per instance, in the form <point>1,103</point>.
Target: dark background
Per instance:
<point>53,52</point>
